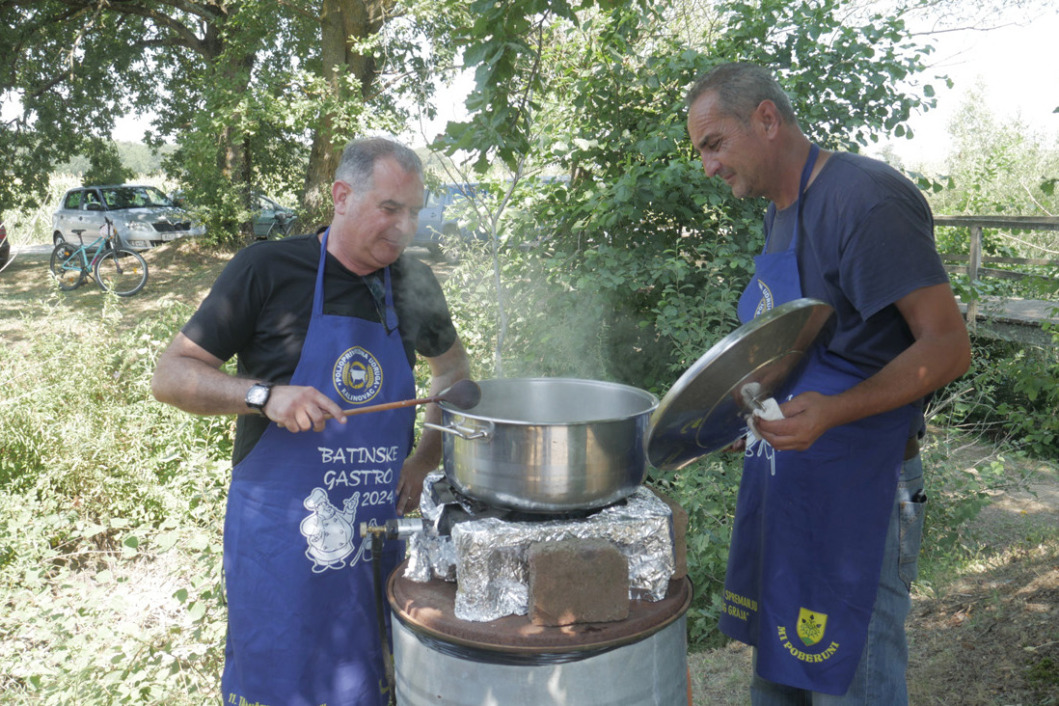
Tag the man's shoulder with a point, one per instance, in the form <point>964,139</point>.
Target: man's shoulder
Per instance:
<point>854,170</point>
<point>408,269</point>
<point>858,182</point>
<point>270,255</point>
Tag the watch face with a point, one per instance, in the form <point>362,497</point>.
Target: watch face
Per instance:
<point>257,396</point>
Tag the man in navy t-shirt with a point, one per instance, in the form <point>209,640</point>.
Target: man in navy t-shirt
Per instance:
<point>830,505</point>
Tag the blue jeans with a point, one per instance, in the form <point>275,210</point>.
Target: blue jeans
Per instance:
<point>880,677</point>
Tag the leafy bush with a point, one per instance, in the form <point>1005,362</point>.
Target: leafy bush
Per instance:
<point>1018,393</point>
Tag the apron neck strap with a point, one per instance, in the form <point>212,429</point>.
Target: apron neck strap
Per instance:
<point>803,184</point>
<point>318,289</point>
<point>389,316</point>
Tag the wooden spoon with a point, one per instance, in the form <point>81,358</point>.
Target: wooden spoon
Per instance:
<point>463,395</point>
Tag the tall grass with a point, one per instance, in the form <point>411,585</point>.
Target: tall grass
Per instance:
<point>110,508</point>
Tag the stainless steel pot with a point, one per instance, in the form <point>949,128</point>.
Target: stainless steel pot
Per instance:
<point>548,445</point>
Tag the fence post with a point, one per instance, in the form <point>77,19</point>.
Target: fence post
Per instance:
<point>974,262</point>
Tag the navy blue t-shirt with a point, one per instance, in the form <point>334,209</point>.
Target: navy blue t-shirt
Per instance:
<point>867,240</point>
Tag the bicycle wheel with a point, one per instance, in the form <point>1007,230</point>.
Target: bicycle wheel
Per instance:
<point>65,266</point>
<point>123,272</point>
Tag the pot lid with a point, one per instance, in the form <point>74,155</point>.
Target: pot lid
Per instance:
<point>706,408</point>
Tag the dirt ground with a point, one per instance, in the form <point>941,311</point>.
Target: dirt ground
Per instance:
<point>988,637</point>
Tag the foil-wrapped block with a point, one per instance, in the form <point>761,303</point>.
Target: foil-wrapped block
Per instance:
<point>490,555</point>
<point>429,555</point>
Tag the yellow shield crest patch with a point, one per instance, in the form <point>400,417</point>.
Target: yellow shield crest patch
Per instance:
<point>811,626</point>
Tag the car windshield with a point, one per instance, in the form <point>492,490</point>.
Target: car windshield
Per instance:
<point>121,197</point>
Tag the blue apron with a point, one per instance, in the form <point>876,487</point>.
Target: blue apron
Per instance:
<point>810,526</point>
<point>302,628</point>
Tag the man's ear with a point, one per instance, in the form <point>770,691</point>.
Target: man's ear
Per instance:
<point>767,117</point>
<point>341,195</point>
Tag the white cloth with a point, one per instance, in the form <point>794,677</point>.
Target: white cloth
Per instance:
<point>769,409</point>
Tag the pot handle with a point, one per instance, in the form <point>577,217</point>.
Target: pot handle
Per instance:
<point>464,432</point>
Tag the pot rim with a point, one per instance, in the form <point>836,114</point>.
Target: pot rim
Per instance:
<point>651,402</point>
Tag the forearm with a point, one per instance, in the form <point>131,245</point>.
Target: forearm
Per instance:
<point>198,387</point>
<point>940,353</point>
<point>445,373</point>
<point>927,365</point>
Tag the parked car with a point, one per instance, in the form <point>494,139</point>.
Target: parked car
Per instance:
<point>438,219</point>
<point>272,220</point>
<point>5,245</point>
<point>142,216</point>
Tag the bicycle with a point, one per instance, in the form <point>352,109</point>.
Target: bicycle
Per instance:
<point>115,269</point>
<point>281,226</point>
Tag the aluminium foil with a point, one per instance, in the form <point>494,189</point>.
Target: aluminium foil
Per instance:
<point>489,556</point>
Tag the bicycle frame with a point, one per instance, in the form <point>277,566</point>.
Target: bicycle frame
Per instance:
<point>101,258</point>
<point>101,244</point>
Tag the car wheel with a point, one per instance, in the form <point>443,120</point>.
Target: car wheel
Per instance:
<point>57,238</point>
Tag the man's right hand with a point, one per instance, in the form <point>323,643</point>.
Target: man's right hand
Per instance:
<point>298,408</point>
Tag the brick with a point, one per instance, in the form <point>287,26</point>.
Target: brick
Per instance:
<point>680,534</point>
<point>577,581</point>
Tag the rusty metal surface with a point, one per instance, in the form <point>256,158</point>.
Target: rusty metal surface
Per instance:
<point>428,608</point>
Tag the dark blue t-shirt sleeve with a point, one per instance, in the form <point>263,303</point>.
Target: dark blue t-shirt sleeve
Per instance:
<point>888,255</point>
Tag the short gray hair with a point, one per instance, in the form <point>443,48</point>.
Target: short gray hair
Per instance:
<point>359,157</point>
<point>740,88</point>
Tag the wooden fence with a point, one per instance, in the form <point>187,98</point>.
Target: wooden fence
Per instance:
<point>975,264</point>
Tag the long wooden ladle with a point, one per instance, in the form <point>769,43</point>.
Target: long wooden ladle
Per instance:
<point>463,395</point>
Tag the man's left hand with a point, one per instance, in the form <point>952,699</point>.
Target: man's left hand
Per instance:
<point>410,485</point>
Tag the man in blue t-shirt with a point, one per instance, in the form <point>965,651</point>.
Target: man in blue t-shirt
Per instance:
<point>830,506</point>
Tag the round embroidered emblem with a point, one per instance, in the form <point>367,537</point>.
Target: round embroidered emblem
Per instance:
<point>766,303</point>
<point>357,375</point>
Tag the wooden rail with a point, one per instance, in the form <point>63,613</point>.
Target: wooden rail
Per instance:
<point>1029,311</point>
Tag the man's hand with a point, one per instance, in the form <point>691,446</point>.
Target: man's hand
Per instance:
<point>297,408</point>
<point>806,418</point>
<point>410,485</point>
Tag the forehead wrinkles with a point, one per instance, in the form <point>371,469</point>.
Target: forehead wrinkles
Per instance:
<point>707,124</point>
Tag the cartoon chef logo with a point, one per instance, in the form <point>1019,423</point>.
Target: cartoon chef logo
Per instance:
<point>357,375</point>
<point>328,530</point>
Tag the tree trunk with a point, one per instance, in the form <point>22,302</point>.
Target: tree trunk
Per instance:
<point>342,22</point>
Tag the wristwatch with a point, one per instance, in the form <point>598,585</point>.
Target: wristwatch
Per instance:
<point>258,394</point>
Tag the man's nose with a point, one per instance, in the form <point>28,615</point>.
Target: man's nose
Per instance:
<point>408,222</point>
<point>710,166</point>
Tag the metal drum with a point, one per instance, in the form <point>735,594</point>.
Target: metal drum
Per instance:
<point>439,659</point>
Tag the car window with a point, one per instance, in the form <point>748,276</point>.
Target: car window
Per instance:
<point>73,200</point>
<point>91,197</point>
<point>266,204</point>
<point>121,197</point>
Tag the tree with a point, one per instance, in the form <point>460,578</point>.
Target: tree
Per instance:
<point>243,87</point>
<point>644,240</point>
<point>627,264</point>
<point>77,65</point>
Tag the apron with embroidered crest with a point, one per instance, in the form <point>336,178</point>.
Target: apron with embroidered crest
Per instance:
<point>302,627</point>
<point>810,526</point>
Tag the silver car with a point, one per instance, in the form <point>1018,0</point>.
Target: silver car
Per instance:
<point>142,216</point>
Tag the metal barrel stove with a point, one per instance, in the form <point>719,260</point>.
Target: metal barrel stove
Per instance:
<point>440,659</point>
